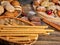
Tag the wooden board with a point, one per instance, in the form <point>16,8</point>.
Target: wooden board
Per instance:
<point>47,43</point>
<point>53,39</point>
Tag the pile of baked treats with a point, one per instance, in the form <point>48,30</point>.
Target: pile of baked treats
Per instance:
<point>13,8</point>
<point>10,8</point>
<point>50,7</point>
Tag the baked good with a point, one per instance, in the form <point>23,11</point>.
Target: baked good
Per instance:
<point>40,9</point>
<point>50,7</point>
<point>1,9</point>
<point>8,6</point>
<point>11,8</point>
<point>58,12</point>
<point>55,1</point>
<point>15,3</point>
<point>8,0</point>
<point>11,14</point>
<point>36,3</point>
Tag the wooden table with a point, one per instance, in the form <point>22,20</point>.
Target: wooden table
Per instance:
<point>53,39</point>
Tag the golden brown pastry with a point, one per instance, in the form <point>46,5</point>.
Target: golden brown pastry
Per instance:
<point>58,12</point>
<point>41,9</point>
<point>55,1</point>
<point>37,2</point>
<point>16,13</point>
<point>15,3</point>
<point>1,10</point>
<point>11,14</point>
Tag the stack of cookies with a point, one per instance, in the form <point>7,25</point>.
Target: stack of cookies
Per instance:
<point>11,8</point>
<point>50,7</point>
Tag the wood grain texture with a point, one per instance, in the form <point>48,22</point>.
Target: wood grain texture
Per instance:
<point>53,39</point>
<point>47,43</point>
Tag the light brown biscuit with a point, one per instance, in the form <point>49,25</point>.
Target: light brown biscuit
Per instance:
<point>15,3</point>
<point>58,12</point>
<point>11,14</point>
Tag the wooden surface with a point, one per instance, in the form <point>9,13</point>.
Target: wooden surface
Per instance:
<point>53,39</point>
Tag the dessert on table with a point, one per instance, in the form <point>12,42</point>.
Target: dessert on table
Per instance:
<point>11,8</point>
<point>49,10</point>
